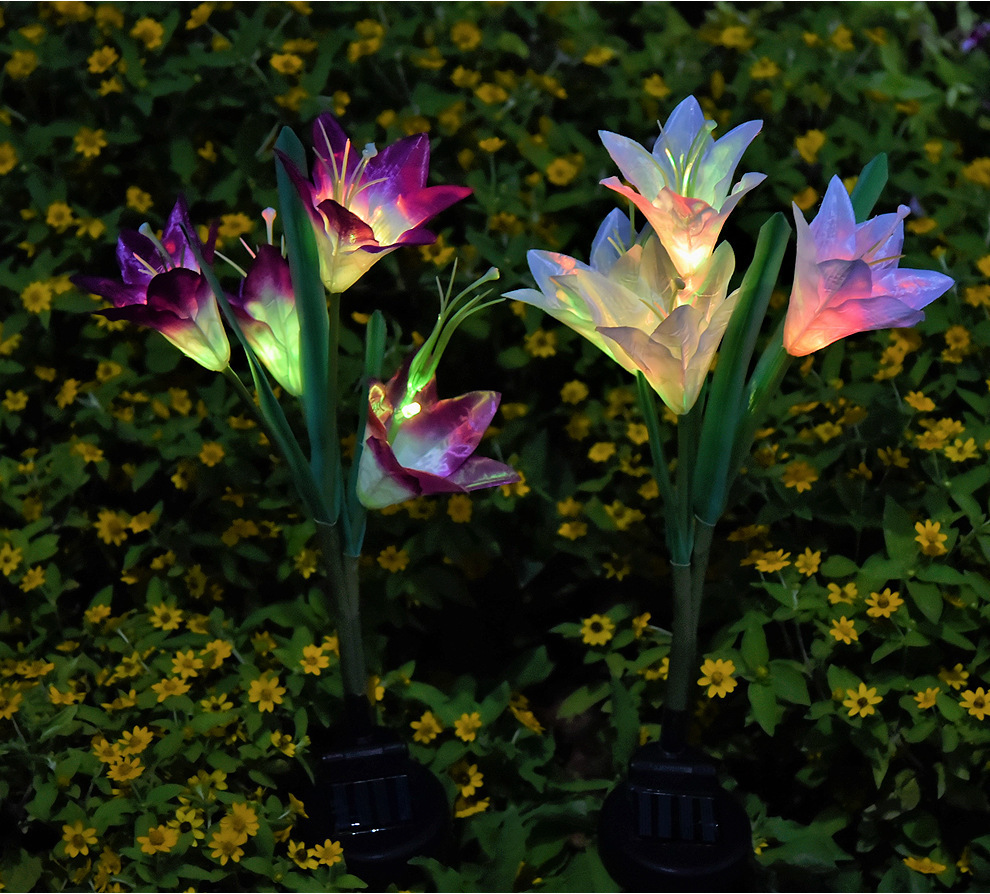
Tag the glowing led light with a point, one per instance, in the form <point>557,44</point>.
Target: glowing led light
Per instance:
<point>409,410</point>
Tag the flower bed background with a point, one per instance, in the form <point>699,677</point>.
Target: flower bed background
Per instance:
<point>162,661</point>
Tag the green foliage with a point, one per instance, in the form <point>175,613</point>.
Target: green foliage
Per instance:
<point>147,531</point>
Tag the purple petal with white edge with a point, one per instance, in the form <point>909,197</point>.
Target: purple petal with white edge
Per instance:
<point>480,471</point>
<point>402,168</point>
<point>381,480</point>
<point>440,439</point>
<point>916,288</point>
<point>118,294</point>
<point>135,254</point>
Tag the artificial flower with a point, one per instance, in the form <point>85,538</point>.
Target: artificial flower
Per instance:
<point>417,444</point>
<point>682,187</point>
<point>266,312</point>
<point>164,289</point>
<point>363,205</point>
<point>846,278</point>
<point>632,304</point>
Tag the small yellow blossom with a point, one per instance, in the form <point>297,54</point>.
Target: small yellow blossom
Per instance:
<point>717,676</point>
<point>930,538</point>
<point>808,562</point>
<point>78,837</point>
<point>467,725</point>
<point>926,698</point>
<point>883,605</point>
<point>266,693</point>
<point>976,703</point>
<point>597,630</point>
<point>860,701</point>
<point>955,677</point>
<point>924,865</point>
<point>844,631</point>
<point>392,559</point>
<point>427,728</point>
<point>809,144</point>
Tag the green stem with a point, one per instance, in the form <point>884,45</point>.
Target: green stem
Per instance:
<point>684,645</point>
<point>344,593</point>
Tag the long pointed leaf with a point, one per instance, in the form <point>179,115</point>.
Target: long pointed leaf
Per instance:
<point>318,399</point>
<point>724,406</point>
<point>870,184</point>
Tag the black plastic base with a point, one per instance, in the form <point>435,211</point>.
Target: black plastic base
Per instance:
<point>670,826</point>
<point>381,805</point>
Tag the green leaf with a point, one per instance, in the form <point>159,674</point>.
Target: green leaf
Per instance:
<point>870,184</point>
<point>582,699</point>
<point>765,708</point>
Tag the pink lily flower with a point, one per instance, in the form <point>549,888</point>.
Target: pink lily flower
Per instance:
<point>266,312</point>
<point>682,188</point>
<point>632,305</point>
<point>364,205</point>
<point>846,278</point>
<point>417,444</point>
<point>164,289</point>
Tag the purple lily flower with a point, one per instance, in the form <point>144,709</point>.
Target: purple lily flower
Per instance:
<point>364,205</point>
<point>164,289</point>
<point>846,278</point>
<point>417,444</point>
<point>266,312</point>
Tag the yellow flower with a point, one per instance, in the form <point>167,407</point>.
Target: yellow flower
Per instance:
<point>598,56</point>
<point>844,630</point>
<point>809,144</point>
<point>15,401</point>
<point>562,171</point>
<point>126,769</point>
<point>717,676</point>
<point>860,702</point>
<point>459,508</point>
<point>329,853</point>
<point>8,158</point>
<point>926,698</point>
<point>314,660</point>
<point>924,865</point>
<point>226,846</point>
<point>10,558</point>
<point>601,452</point>
<point>138,200</point>
<point>59,216</point>
<point>78,837</point>
<point>808,562</point>
<point>33,579</point>
<point>186,664</point>
<point>466,777</point>
<point>959,451</point>
<point>392,559</point>
<point>159,840</point>
<point>842,39</point>
<point>465,35</point>
<point>491,94</point>
<point>10,703</point>
<point>111,527</point>
<point>21,63</point>
<point>541,343</point>
<point>266,692</point>
<point>883,605</point>
<point>102,59</point>
<point>955,677</point>
<point>165,617</point>
<point>800,475</point>
<point>976,703</point>
<point>930,538</point>
<point>467,725</point>
<point>597,630</point>
<point>241,821</point>
<point>770,562</point>
<point>573,392</point>
<point>170,686</point>
<point>211,454</point>
<point>573,530</point>
<point>149,32</point>
<point>978,171</point>
<point>764,69</point>
<point>655,86</point>
<point>427,728</point>
<point>199,15</point>
<point>136,740</point>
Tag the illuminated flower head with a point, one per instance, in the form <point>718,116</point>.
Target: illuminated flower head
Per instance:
<point>632,304</point>
<point>163,289</point>
<point>363,205</point>
<point>266,311</point>
<point>682,188</point>
<point>846,278</point>
<point>417,444</point>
